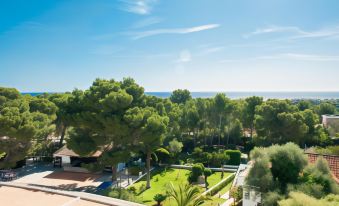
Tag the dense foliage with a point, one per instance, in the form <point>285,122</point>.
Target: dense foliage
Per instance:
<point>282,169</point>
<point>25,121</point>
<point>118,119</point>
<point>197,170</point>
<point>234,157</point>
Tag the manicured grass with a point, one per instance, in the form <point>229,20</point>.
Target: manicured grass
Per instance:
<point>160,179</point>
<point>216,177</point>
<point>159,183</point>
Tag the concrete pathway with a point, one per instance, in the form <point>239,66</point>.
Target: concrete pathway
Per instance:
<point>82,195</point>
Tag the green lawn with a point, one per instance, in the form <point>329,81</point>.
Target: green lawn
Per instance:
<point>160,179</point>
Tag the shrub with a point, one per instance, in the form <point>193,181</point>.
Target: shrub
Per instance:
<point>235,157</point>
<point>122,194</point>
<point>197,152</point>
<point>132,189</point>
<point>175,146</point>
<point>207,173</point>
<point>162,154</point>
<point>300,199</point>
<point>159,198</point>
<point>319,174</point>
<point>272,198</point>
<point>313,189</point>
<point>236,193</point>
<point>197,170</point>
<point>218,159</point>
<point>288,170</point>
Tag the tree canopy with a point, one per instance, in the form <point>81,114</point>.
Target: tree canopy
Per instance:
<point>23,121</point>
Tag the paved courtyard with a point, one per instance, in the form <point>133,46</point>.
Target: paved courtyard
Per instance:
<point>47,176</point>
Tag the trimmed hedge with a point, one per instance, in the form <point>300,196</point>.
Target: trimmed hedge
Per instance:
<point>235,157</point>
<point>214,190</point>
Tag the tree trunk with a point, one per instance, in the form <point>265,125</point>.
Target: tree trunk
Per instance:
<point>114,173</point>
<point>252,130</point>
<point>219,129</point>
<point>148,168</point>
<point>228,137</point>
<point>63,132</point>
<point>206,183</point>
<point>194,139</point>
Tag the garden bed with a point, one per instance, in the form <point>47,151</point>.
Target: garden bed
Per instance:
<point>160,179</point>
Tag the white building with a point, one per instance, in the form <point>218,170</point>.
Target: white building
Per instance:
<point>331,122</point>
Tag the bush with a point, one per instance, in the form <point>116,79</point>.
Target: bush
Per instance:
<point>122,194</point>
<point>197,170</point>
<point>235,157</point>
<point>318,174</point>
<point>218,159</point>
<point>314,189</point>
<point>298,198</point>
<point>132,189</point>
<point>207,173</point>
<point>236,193</point>
<point>272,198</point>
<point>159,198</point>
<point>162,154</point>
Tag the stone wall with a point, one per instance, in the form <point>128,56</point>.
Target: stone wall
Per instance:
<point>333,162</point>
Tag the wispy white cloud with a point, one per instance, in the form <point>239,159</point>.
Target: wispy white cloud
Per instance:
<point>143,34</point>
<point>296,32</point>
<point>185,56</point>
<point>274,29</point>
<point>146,22</point>
<point>141,7</point>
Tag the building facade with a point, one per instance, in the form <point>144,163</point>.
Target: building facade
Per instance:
<point>331,122</point>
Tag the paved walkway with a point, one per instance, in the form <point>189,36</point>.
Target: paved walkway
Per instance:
<point>101,200</point>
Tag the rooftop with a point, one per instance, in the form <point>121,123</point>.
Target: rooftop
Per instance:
<point>64,151</point>
<point>331,116</point>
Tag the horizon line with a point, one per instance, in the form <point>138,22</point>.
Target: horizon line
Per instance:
<point>279,91</point>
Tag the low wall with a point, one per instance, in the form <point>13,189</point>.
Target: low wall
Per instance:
<point>75,169</point>
<point>228,179</point>
<point>333,162</point>
<point>190,167</point>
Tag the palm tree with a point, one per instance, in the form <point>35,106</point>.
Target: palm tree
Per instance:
<point>186,195</point>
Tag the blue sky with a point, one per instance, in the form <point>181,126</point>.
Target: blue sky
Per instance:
<point>214,45</point>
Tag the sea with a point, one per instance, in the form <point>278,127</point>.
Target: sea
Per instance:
<point>240,95</point>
